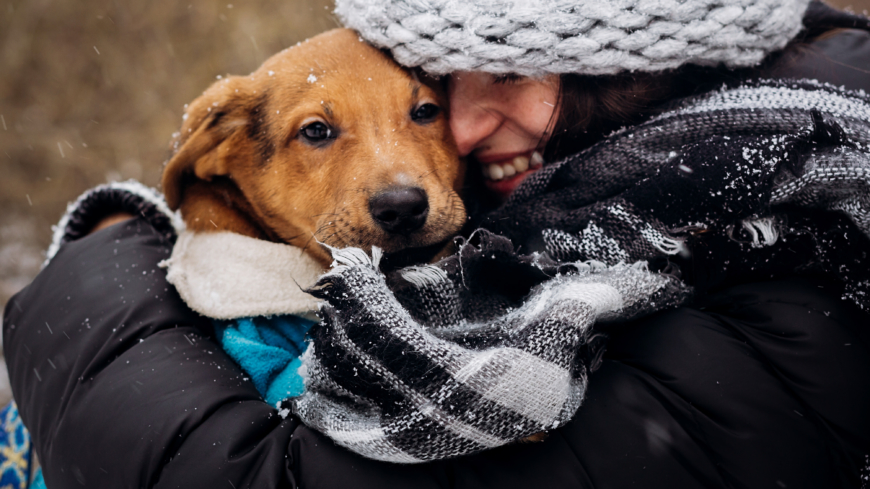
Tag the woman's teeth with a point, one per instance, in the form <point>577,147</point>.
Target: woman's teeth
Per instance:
<point>519,164</point>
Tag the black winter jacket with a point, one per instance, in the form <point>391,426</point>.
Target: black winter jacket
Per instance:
<point>763,384</point>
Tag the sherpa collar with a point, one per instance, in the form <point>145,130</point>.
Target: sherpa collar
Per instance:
<point>225,275</point>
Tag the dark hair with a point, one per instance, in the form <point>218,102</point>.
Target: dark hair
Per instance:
<point>591,107</point>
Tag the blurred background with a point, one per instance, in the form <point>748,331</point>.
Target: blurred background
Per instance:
<point>91,91</point>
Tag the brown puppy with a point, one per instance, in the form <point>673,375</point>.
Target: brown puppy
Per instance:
<point>328,142</point>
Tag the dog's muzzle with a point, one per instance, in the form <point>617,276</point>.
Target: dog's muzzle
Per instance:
<point>400,210</point>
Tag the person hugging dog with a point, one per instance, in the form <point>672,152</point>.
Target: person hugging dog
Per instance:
<point>670,278</point>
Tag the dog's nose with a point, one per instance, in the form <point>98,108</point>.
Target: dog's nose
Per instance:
<point>401,210</point>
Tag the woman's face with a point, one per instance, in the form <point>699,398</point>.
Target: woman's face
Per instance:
<point>503,123</point>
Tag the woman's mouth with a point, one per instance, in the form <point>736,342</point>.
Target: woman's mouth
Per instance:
<point>503,174</point>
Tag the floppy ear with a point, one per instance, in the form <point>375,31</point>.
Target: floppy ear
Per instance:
<point>203,146</point>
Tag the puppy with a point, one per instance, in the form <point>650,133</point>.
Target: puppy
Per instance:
<point>328,143</point>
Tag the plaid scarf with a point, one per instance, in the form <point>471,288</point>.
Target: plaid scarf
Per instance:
<point>495,343</point>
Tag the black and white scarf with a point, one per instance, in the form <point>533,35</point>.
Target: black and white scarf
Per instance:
<point>495,343</point>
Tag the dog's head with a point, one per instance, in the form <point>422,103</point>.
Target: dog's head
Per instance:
<point>328,142</point>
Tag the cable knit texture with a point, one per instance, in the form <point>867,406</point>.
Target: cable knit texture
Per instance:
<point>594,37</point>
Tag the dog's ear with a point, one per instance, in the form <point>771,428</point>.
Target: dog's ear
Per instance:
<point>203,145</point>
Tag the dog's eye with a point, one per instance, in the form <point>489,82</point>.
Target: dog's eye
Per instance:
<point>316,132</point>
<point>425,113</point>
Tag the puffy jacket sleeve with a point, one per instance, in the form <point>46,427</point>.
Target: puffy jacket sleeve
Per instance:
<point>122,385</point>
<point>116,378</point>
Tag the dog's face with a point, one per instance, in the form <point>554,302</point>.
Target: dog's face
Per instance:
<point>328,142</point>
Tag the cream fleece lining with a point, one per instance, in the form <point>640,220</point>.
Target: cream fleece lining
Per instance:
<point>225,275</point>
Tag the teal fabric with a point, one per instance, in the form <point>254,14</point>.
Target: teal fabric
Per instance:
<point>268,349</point>
<point>16,452</point>
<point>38,481</point>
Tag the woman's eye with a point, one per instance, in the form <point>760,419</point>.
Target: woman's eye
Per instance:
<point>316,132</point>
<point>425,113</point>
<point>506,79</point>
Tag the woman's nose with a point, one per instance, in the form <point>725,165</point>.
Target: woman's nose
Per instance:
<point>471,124</point>
<point>472,115</point>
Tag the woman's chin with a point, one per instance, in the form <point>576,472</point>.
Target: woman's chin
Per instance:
<point>502,189</point>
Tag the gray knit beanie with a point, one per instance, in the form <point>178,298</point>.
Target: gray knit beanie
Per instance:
<point>593,37</point>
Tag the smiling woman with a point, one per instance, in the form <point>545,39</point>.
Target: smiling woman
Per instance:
<point>752,196</point>
<point>504,123</point>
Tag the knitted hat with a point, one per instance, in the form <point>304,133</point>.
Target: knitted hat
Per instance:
<point>593,37</point>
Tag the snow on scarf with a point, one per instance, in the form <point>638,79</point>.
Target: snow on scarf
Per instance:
<point>490,345</point>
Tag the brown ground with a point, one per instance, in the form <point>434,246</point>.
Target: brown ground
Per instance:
<point>91,91</point>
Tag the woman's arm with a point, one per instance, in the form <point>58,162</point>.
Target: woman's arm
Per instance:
<point>106,359</point>
<point>121,385</point>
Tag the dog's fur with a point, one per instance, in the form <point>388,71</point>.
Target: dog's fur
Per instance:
<point>241,162</point>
